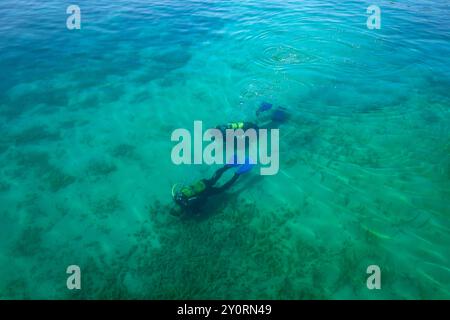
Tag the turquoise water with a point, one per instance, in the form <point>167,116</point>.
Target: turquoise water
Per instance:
<point>85,169</point>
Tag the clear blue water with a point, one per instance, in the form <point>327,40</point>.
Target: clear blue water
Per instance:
<point>85,169</point>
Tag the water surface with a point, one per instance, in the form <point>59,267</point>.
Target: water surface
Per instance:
<point>85,170</point>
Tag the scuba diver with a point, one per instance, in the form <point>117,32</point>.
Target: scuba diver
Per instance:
<point>236,125</point>
<point>272,120</point>
<point>191,198</point>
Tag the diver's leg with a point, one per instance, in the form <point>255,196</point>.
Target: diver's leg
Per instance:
<point>217,175</point>
<point>228,184</point>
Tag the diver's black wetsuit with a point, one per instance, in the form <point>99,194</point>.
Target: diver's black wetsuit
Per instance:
<point>211,182</point>
<point>195,202</point>
<point>197,194</point>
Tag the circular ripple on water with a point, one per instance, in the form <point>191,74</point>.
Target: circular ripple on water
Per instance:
<point>283,57</point>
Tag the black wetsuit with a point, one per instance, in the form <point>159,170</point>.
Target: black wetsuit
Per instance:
<point>194,202</point>
<point>200,198</point>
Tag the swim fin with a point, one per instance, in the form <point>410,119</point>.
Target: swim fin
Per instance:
<point>246,167</point>
<point>264,107</point>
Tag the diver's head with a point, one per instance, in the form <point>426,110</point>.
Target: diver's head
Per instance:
<point>177,194</point>
<point>182,195</point>
<point>180,198</point>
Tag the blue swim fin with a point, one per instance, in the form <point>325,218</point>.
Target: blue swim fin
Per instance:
<point>264,107</point>
<point>246,167</point>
